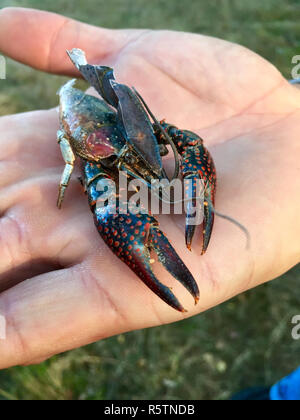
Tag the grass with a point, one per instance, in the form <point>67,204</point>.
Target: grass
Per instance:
<point>246,341</point>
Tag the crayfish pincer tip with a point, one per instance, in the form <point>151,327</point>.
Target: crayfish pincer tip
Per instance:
<point>189,247</point>
<point>183,310</point>
<point>172,262</point>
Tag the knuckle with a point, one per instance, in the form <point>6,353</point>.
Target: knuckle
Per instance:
<point>12,240</point>
<point>18,346</point>
<point>107,305</point>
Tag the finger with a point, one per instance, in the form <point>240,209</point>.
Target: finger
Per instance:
<point>58,311</point>
<point>32,229</point>
<point>72,307</point>
<point>19,157</point>
<point>29,140</point>
<point>40,39</point>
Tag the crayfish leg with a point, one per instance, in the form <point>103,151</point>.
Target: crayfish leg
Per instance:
<point>69,158</point>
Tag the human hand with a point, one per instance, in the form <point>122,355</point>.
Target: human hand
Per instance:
<point>249,117</point>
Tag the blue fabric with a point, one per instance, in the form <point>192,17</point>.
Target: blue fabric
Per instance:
<point>288,389</point>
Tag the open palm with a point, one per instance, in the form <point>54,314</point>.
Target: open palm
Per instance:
<point>249,117</point>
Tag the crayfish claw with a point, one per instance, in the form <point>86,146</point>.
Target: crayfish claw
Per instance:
<point>208,223</point>
<point>143,269</point>
<point>131,238</point>
<point>198,168</point>
<point>189,234</point>
<point>169,258</point>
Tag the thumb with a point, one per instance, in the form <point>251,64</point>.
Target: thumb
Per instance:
<point>40,39</point>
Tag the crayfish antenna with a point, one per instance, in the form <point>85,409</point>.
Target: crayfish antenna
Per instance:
<point>233,221</point>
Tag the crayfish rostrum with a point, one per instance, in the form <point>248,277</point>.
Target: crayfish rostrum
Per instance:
<point>119,133</point>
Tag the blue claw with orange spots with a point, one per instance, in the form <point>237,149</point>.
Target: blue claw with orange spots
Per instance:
<point>133,237</point>
<point>115,134</point>
<point>196,165</point>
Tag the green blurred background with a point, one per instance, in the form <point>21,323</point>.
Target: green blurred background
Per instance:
<point>244,342</point>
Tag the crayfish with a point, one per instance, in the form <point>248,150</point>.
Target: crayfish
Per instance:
<point>119,133</point>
